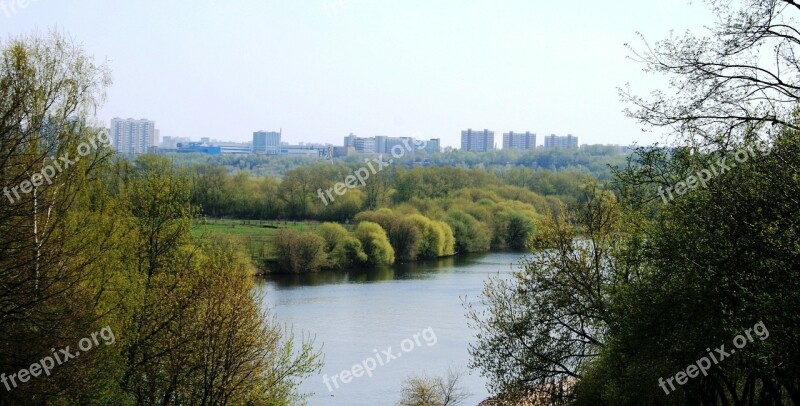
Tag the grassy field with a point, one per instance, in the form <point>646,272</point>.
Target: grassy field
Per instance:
<point>255,235</point>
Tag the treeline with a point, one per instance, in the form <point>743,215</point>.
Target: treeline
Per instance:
<point>403,234</point>
<point>297,195</point>
<point>595,160</point>
<point>105,244</point>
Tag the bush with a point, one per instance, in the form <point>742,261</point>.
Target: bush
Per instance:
<point>518,230</point>
<point>471,235</point>
<point>403,233</point>
<point>299,252</point>
<point>437,237</point>
<point>348,252</point>
<point>332,233</point>
<point>375,242</point>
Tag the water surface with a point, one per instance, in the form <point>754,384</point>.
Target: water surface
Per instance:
<point>358,315</point>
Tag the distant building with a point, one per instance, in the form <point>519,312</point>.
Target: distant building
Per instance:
<point>433,146</point>
<point>398,144</point>
<point>519,141</point>
<point>350,140</point>
<point>342,151</point>
<point>364,145</point>
<point>300,150</point>
<point>198,148</point>
<point>238,148</point>
<point>555,141</point>
<point>380,144</point>
<point>134,137</point>
<point>267,142</point>
<point>477,141</point>
<point>170,143</point>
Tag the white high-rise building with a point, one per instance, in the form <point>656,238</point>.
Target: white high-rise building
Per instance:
<point>130,136</point>
<point>520,141</point>
<point>267,142</point>
<point>555,141</point>
<point>478,141</point>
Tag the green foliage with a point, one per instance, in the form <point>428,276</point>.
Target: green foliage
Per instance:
<point>470,234</point>
<point>348,252</point>
<point>623,294</point>
<point>518,231</point>
<point>332,233</point>
<point>433,237</point>
<point>375,242</point>
<point>299,252</point>
<point>727,251</point>
<point>537,329</point>
<point>403,233</point>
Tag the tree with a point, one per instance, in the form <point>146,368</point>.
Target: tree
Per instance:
<point>537,329</point>
<point>332,233</point>
<point>375,242</point>
<point>740,82</point>
<point>48,87</point>
<point>436,391</point>
<point>241,355</point>
<point>163,263</point>
<point>436,237</point>
<point>349,252</point>
<point>403,233</point>
<point>210,190</point>
<point>470,234</point>
<point>520,228</point>
<point>716,261</point>
<point>297,191</point>
<point>299,252</point>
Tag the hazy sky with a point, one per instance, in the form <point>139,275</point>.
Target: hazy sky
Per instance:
<point>320,69</point>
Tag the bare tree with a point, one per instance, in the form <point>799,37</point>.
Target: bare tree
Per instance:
<point>437,391</point>
<point>740,82</point>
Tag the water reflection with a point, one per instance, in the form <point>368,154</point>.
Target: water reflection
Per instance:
<point>412,270</point>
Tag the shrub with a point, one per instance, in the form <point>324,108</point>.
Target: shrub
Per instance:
<point>348,252</point>
<point>299,252</point>
<point>403,233</point>
<point>471,235</point>
<point>375,242</point>
<point>332,233</point>
<point>437,237</point>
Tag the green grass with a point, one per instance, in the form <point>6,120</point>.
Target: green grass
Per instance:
<point>255,235</point>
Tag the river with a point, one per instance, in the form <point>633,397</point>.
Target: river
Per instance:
<point>416,309</point>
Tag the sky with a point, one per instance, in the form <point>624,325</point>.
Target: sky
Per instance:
<point>322,69</point>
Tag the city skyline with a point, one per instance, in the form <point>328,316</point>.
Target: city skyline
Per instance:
<point>509,140</point>
<point>321,74</point>
<point>528,141</point>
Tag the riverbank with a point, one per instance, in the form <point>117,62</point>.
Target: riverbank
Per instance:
<point>256,239</point>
